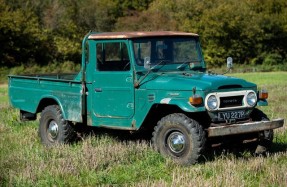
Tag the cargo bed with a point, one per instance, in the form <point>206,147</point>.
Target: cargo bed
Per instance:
<point>30,92</point>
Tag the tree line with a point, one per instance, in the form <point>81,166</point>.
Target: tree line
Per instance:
<point>42,32</point>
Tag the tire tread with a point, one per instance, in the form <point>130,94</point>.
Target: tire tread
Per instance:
<point>194,128</point>
<point>68,133</point>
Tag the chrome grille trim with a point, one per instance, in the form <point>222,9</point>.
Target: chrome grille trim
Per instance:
<point>220,95</point>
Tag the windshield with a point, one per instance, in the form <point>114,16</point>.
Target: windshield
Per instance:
<point>171,50</point>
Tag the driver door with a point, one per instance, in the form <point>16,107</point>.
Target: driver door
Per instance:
<point>113,89</point>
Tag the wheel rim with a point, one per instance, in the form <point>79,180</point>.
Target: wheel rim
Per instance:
<point>176,142</point>
<point>53,130</point>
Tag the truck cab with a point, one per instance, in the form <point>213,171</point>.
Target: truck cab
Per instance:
<point>155,81</point>
<point>127,76</point>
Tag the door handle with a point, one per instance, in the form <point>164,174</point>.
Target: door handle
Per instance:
<point>98,89</point>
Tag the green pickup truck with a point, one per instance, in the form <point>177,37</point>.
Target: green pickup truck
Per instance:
<point>140,81</point>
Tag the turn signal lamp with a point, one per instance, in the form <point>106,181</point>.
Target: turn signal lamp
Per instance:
<point>195,100</point>
<point>263,94</point>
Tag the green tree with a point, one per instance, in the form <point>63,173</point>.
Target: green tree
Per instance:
<point>249,31</point>
<point>21,38</point>
<point>33,31</point>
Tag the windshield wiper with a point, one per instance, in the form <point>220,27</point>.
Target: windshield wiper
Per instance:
<point>180,66</point>
<point>192,65</point>
<point>137,83</point>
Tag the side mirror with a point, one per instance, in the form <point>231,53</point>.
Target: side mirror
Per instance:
<point>229,62</point>
<point>147,64</point>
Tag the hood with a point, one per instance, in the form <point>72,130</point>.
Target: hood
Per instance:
<point>202,81</point>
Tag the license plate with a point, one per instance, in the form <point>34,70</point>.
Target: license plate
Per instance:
<point>231,115</point>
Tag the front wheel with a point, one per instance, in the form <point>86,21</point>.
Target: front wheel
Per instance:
<point>53,128</point>
<point>265,137</point>
<point>180,138</point>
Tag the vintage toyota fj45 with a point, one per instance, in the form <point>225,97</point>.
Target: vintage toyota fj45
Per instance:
<point>146,80</point>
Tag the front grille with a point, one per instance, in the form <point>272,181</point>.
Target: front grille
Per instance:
<point>232,101</point>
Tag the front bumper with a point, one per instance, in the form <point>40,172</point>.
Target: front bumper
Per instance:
<point>244,128</point>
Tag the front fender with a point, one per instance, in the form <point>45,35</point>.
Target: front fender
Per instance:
<point>183,104</point>
<point>262,102</point>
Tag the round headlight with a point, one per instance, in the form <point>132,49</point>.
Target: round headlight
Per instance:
<point>212,102</point>
<point>251,99</point>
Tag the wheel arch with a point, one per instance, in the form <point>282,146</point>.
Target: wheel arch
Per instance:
<point>47,101</point>
<point>158,111</point>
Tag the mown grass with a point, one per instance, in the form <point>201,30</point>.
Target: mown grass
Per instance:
<point>105,159</point>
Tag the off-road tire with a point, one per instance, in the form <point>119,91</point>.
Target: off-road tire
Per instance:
<point>265,137</point>
<point>189,129</point>
<point>52,115</point>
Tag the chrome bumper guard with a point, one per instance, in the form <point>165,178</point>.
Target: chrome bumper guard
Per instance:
<point>244,128</point>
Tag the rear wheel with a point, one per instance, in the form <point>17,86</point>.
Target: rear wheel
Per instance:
<point>53,128</point>
<point>180,138</point>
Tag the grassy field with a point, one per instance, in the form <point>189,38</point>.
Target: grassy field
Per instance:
<point>107,159</point>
